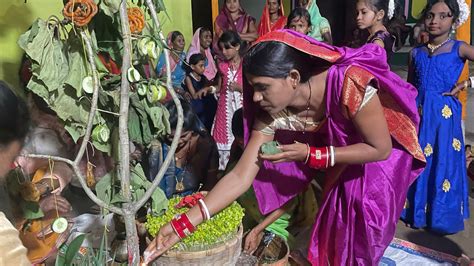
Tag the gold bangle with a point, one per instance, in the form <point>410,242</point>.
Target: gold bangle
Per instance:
<point>307,153</point>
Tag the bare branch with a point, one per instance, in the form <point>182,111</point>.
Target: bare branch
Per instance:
<point>77,172</point>
<point>95,96</point>
<point>124,105</point>
<point>129,212</point>
<point>179,125</point>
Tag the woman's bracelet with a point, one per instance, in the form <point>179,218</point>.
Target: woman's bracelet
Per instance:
<point>308,152</point>
<point>213,89</point>
<point>182,226</point>
<point>333,156</point>
<point>321,158</point>
<point>204,210</point>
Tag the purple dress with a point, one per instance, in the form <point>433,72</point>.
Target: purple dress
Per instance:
<point>388,42</point>
<point>362,203</point>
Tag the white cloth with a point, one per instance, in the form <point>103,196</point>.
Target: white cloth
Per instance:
<point>12,251</point>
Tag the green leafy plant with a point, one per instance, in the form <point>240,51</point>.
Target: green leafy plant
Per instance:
<point>219,228</point>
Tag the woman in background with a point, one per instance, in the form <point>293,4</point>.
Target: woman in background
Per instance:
<point>273,17</point>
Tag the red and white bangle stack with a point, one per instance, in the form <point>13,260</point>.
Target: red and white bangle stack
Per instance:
<point>321,158</point>
<point>182,226</point>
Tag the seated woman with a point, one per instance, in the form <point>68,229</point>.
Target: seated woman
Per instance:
<point>273,17</point>
<point>177,56</point>
<point>233,17</point>
<point>196,160</point>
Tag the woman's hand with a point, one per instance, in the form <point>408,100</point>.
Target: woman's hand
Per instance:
<point>53,203</point>
<point>165,239</point>
<point>252,240</point>
<point>296,152</point>
<point>459,87</point>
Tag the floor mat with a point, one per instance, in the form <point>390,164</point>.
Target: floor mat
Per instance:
<point>401,252</point>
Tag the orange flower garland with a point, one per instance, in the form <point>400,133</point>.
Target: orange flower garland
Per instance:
<point>80,12</point>
<point>136,19</point>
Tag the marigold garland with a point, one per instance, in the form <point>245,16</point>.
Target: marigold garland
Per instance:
<point>136,19</point>
<point>80,12</point>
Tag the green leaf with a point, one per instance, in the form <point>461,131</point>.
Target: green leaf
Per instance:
<point>76,130</point>
<point>134,131</point>
<point>60,260</point>
<point>104,188</point>
<point>117,198</point>
<point>31,210</point>
<point>110,7</point>
<point>76,64</point>
<point>159,201</point>
<point>73,248</point>
<point>103,147</point>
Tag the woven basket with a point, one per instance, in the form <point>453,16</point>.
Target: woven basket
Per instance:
<point>226,253</point>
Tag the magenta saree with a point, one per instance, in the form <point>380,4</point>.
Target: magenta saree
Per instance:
<point>362,203</point>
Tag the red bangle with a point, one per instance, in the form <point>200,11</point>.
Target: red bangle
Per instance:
<point>188,227</point>
<point>178,228</point>
<point>319,157</point>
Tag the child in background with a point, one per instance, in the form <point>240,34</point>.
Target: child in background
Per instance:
<point>299,20</point>
<point>321,29</point>
<point>373,15</point>
<point>438,199</point>
<point>195,81</point>
<point>229,92</point>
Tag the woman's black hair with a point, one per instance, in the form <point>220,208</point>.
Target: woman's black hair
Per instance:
<point>389,23</point>
<point>175,34</point>
<point>230,39</point>
<point>299,12</point>
<point>238,124</point>
<point>190,121</point>
<point>14,116</point>
<point>377,5</point>
<point>276,60</point>
<point>204,29</point>
<point>452,5</point>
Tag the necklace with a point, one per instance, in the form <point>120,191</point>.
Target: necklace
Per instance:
<point>433,47</point>
<point>307,107</point>
<point>180,183</point>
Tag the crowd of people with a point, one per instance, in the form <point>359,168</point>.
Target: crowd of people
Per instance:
<point>357,145</point>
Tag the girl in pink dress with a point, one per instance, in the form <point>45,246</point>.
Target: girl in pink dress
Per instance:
<point>228,92</point>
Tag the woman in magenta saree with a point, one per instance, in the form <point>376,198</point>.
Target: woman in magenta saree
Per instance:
<point>356,108</point>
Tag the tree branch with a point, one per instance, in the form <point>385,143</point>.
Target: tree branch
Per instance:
<point>129,211</point>
<point>77,172</point>
<point>179,124</point>
<point>95,96</point>
<point>124,105</point>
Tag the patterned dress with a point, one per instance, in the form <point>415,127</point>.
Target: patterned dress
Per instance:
<point>229,101</point>
<point>438,199</point>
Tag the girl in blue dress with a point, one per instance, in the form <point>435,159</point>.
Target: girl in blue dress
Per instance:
<point>438,199</point>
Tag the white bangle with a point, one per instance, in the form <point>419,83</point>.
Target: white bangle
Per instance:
<point>333,156</point>
<point>213,89</point>
<point>204,210</point>
<point>471,79</point>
